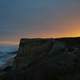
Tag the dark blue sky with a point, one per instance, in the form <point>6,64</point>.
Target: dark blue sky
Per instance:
<point>38,18</point>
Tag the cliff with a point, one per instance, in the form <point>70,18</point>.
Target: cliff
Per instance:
<point>42,59</point>
<point>53,59</point>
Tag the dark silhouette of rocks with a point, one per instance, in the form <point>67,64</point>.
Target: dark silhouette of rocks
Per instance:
<point>46,59</point>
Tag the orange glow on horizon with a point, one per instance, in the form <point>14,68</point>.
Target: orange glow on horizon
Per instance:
<point>72,31</point>
<point>9,42</point>
<point>44,36</point>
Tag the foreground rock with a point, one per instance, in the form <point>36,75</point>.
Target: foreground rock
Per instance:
<point>46,59</point>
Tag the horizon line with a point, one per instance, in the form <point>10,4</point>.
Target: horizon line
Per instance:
<point>18,42</point>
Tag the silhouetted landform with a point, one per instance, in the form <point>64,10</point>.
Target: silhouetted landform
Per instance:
<point>45,59</point>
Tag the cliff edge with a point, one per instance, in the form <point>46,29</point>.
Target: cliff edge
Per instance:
<point>47,59</point>
<point>52,59</point>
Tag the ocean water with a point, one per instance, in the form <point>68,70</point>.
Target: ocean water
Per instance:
<point>7,54</point>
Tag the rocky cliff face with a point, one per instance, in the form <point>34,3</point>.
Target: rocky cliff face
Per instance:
<point>47,59</point>
<point>34,60</point>
<point>52,59</point>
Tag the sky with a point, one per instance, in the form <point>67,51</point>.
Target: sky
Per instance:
<point>38,19</point>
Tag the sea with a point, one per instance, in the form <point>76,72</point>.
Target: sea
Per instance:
<point>7,54</point>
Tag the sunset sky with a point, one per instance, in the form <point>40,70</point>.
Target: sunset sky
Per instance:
<point>38,18</point>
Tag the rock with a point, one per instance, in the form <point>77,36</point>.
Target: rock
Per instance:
<point>34,57</point>
<point>46,59</point>
<point>42,59</point>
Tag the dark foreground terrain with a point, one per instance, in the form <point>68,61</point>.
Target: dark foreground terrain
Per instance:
<point>45,59</point>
